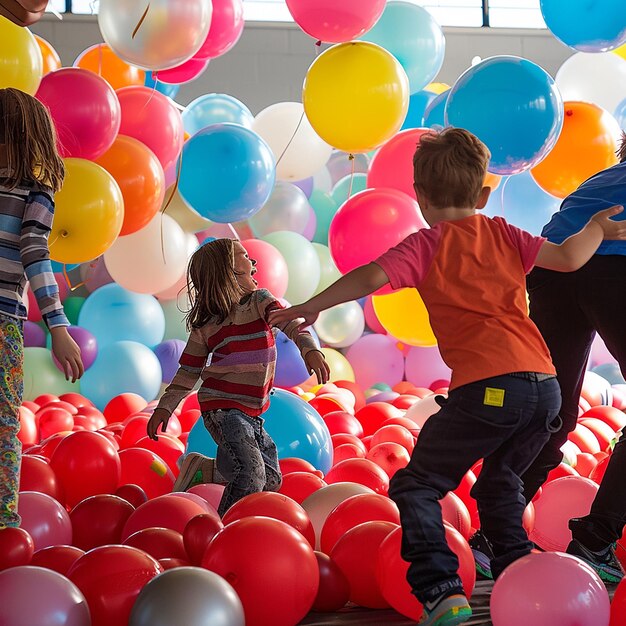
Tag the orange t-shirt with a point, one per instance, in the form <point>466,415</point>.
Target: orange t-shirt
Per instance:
<point>470,274</point>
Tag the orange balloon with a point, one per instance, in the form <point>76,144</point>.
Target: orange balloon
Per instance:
<point>140,176</point>
<point>51,59</point>
<point>101,60</point>
<point>585,146</point>
<point>492,180</point>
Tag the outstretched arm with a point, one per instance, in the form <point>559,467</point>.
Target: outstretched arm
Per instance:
<point>576,250</point>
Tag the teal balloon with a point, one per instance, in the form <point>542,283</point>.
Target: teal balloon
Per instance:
<point>413,36</point>
<point>525,204</point>
<point>513,106</point>
<point>111,313</point>
<point>122,367</point>
<point>175,325</point>
<point>347,187</point>
<point>325,208</point>
<point>227,173</point>
<point>58,268</point>
<point>41,375</point>
<point>215,108</point>
<point>167,90</point>
<point>434,113</point>
<point>418,102</point>
<point>295,426</point>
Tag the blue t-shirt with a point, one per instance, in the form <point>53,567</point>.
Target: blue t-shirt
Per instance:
<point>601,191</point>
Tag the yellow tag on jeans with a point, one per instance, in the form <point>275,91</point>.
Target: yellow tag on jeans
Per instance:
<point>494,397</point>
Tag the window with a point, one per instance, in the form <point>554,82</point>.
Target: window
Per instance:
<point>516,14</point>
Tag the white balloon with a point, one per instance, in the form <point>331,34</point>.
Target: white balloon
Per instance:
<point>298,149</point>
<point>599,78</point>
<point>151,259</point>
<point>155,35</point>
<point>341,325</point>
<point>328,270</point>
<point>423,409</point>
<point>180,286</point>
<point>287,208</point>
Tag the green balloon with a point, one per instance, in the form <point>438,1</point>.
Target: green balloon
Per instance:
<point>41,375</point>
<point>381,386</point>
<point>72,306</point>
<point>175,327</point>
<point>342,191</point>
<point>325,208</point>
<point>328,270</point>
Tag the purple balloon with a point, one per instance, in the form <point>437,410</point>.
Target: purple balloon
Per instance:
<point>306,184</point>
<point>168,352</point>
<point>34,335</point>
<point>87,344</point>
<point>383,396</point>
<point>311,225</point>
<point>36,595</point>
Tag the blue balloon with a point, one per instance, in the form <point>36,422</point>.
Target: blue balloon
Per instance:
<point>620,114</point>
<point>111,313</point>
<point>168,90</point>
<point>215,108</point>
<point>434,113</point>
<point>413,36</point>
<point>513,106</point>
<point>57,267</point>
<point>227,173</point>
<point>295,426</point>
<point>290,368</point>
<point>168,352</point>
<point>121,367</point>
<point>526,205</point>
<point>418,103</point>
<point>587,26</point>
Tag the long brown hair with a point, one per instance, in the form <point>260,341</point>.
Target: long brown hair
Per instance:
<point>212,283</point>
<point>29,139</point>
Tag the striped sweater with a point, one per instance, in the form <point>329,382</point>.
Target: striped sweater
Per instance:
<point>26,214</point>
<point>242,351</point>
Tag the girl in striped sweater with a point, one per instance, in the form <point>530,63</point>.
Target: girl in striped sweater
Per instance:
<point>231,349</point>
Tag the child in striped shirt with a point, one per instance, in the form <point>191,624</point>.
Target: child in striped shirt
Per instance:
<point>30,172</point>
<point>231,348</point>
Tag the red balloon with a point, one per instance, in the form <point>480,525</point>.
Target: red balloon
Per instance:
<point>188,419</point>
<point>120,407</point>
<point>300,485</point>
<point>160,543</point>
<point>409,424</point>
<point>92,414</point>
<point>16,548</point>
<point>390,457</point>
<point>615,418</point>
<point>44,398</point>
<point>405,401</point>
<point>271,566</point>
<point>28,427</point>
<point>347,451</point>
<point>374,414</point>
<point>184,73</point>
<point>326,403</point>
<point>191,402</point>
<point>293,464</point>
<point>355,553</point>
<point>133,494</point>
<point>167,448</point>
<point>456,514</point>
<point>53,420</point>
<point>463,491</point>
<point>343,422</point>
<point>364,507</point>
<point>134,430</point>
<point>392,165</point>
<point>86,464</point>
<point>584,439</point>
<point>37,475</point>
<point>198,533</point>
<point>602,431</point>
<point>618,606</point>
<point>147,470</point>
<point>586,463</point>
<point>391,570</point>
<point>173,563</point>
<point>168,511</point>
<point>360,471</point>
<point>344,438</point>
<point>99,520</point>
<point>272,272</point>
<point>334,589</point>
<point>110,578</point>
<point>560,471</point>
<point>57,558</point>
<point>394,433</point>
<point>274,505</point>
<point>597,473</point>
<point>77,400</point>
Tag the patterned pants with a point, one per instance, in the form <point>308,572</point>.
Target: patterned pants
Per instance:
<point>11,389</point>
<point>246,455</point>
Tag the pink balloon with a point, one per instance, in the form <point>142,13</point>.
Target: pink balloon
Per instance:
<point>311,225</point>
<point>560,501</point>
<point>44,519</point>
<point>194,497</point>
<point>226,28</point>
<point>392,165</point>
<point>335,22</point>
<point>370,317</point>
<point>547,589</point>
<point>152,118</point>
<point>184,73</point>
<point>272,272</point>
<point>369,223</point>
<point>85,110</point>
<point>424,366</point>
<point>376,359</point>
<point>211,492</point>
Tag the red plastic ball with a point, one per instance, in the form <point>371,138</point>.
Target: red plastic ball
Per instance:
<point>53,420</point>
<point>394,433</point>
<point>342,438</point>
<point>188,419</point>
<point>300,485</point>
<point>76,399</point>
<point>360,471</point>
<point>455,512</point>
<point>57,558</point>
<point>343,422</point>
<point>16,548</point>
<point>120,407</point>
<point>167,448</point>
<point>374,414</point>
<point>356,391</point>
<point>146,469</point>
<point>294,464</point>
<point>198,533</point>
<point>160,543</point>
<point>347,451</point>
<point>133,494</point>
<point>37,475</point>
<point>389,456</point>
<point>334,589</point>
<point>28,427</point>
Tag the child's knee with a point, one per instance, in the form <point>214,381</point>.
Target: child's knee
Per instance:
<point>273,482</point>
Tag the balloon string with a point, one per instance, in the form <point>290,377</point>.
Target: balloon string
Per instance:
<point>143,17</point>
<point>100,55</point>
<point>295,132</point>
<point>351,158</point>
<point>169,201</point>
<point>233,231</point>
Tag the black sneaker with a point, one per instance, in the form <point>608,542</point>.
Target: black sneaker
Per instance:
<point>483,554</point>
<point>605,563</point>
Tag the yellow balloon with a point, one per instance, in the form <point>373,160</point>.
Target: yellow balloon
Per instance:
<point>356,96</point>
<point>89,213</point>
<point>21,61</point>
<point>437,87</point>
<point>340,368</point>
<point>621,51</point>
<point>404,316</point>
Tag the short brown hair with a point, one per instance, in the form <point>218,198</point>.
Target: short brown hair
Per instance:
<point>449,167</point>
<point>30,141</point>
<point>621,150</point>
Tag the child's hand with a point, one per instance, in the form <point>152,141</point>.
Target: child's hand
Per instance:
<point>160,417</point>
<point>611,228</point>
<point>67,352</point>
<point>316,363</point>
<point>300,311</point>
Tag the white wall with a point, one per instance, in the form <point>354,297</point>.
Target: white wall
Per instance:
<point>269,62</point>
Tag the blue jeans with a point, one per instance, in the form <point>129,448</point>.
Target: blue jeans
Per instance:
<point>505,420</point>
<point>246,455</point>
